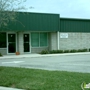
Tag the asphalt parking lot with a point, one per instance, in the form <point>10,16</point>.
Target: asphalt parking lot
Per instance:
<point>72,63</point>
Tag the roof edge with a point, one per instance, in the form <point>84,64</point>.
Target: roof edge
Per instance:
<point>74,18</point>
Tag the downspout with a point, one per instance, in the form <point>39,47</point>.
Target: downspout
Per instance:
<point>58,34</point>
<point>58,40</point>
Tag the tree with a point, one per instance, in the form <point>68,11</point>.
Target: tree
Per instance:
<point>8,10</point>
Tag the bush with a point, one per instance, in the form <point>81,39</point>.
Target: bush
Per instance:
<point>44,52</point>
<point>1,55</point>
<point>53,51</point>
<point>82,50</point>
<point>56,51</point>
<point>60,51</point>
<point>79,50</point>
<point>66,51</point>
<point>73,51</point>
<point>85,50</point>
<point>89,49</point>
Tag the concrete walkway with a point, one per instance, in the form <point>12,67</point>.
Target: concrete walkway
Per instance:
<point>39,55</point>
<point>7,88</point>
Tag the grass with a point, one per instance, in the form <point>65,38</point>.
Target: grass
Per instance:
<point>32,79</point>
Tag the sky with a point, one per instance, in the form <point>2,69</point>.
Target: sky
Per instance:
<point>66,8</point>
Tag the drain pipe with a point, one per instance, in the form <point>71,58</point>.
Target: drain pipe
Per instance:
<point>58,38</point>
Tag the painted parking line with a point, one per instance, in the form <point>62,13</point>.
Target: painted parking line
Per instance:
<point>13,62</point>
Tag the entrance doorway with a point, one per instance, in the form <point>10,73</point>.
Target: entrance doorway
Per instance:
<point>11,43</point>
<point>26,43</point>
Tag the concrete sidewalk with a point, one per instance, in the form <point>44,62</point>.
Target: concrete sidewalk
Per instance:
<point>39,55</point>
<point>7,88</point>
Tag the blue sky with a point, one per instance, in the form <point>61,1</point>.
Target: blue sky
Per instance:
<point>66,8</point>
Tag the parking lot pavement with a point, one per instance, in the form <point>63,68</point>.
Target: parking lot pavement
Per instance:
<point>39,55</point>
<point>72,63</point>
<point>78,62</point>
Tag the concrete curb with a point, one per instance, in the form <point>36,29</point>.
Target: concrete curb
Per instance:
<point>38,55</point>
<point>7,88</point>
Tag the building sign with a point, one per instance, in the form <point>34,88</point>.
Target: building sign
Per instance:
<point>63,35</point>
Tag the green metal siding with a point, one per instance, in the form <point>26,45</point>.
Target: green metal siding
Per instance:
<point>74,25</point>
<point>35,22</point>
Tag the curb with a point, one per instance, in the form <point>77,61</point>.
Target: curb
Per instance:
<point>8,88</point>
<point>46,55</point>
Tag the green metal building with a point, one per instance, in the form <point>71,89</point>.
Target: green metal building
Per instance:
<point>34,32</point>
<point>74,25</point>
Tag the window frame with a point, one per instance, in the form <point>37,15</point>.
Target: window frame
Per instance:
<point>39,40</point>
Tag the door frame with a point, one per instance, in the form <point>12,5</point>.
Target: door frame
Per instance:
<point>7,41</point>
<point>29,41</point>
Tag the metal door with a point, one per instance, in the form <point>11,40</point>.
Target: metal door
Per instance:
<point>11,43</point>
<point>26,43</point>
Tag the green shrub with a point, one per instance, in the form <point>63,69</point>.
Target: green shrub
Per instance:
<point>44,52</point>
<point>79,50</point>
<point>89,49</point>
<point>82,50</point>
<point>85,50</point>
<point>60,51</point>
<point>53,51</point>
<point>73,51</point>
<point>66,51</point>
<point>1,55</point>
<point>56,51</point>
<point>63,51</point>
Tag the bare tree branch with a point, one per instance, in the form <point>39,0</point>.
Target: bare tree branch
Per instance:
<point>8,9</point>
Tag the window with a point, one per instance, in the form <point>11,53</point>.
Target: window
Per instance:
<point>39,39</point>
<point>2,40</point>
<point>35,39</point>
<point>43,39</point>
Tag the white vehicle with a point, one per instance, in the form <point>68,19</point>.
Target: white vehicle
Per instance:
<point>85,86</point>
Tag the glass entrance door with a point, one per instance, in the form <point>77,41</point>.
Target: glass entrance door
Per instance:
<point>26,43</point>
<point>11,43</point>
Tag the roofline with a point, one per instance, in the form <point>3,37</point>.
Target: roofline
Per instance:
<point>74,18</point>
<point>34,12</point>
<point>37,13</point>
